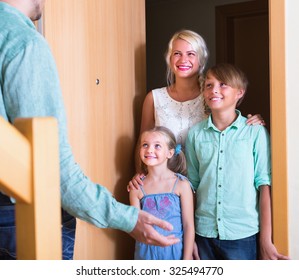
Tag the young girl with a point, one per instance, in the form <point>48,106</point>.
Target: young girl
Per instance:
<point>166,193</point>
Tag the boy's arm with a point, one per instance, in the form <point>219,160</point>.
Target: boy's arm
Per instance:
<point>267,248</point>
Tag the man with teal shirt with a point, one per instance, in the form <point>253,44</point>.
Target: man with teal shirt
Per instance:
<point>230,168</point>
<point>29,87</point>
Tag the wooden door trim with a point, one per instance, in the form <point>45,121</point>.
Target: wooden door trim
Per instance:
<point>278,125</point>
<point>225,16</point>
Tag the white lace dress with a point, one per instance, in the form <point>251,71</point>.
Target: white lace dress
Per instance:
<point>179,117</point>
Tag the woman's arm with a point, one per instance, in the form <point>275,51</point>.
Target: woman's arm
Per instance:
<point>147,122</point>
<point>148,113</point>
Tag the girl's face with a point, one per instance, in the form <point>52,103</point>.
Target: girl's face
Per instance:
<point>154,149</point>
<point>219,95</point>
<point>184,60</point>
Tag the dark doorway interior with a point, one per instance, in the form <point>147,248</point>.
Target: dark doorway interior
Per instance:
<point>236,31</point>
<point>242,38</point>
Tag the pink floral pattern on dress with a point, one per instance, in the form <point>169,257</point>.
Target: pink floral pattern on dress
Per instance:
<point>160,210</point>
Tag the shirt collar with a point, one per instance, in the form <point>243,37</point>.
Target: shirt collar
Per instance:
<point>236,124</point>
<point>12,10</point>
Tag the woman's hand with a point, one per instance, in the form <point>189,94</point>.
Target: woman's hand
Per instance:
<point>254,120</point>
<point>136,182</point>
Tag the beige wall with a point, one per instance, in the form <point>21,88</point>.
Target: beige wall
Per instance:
<point>292,99</point>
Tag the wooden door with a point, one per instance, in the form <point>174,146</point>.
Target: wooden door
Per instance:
<point>242,38</point>
<point>99,47</point>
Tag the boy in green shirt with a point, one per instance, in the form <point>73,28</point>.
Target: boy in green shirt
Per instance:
<point>229,166</point>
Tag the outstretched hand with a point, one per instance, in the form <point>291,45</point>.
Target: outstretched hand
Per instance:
<point>145,233</point>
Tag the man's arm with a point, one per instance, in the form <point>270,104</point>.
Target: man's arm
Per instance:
<point>31,89</point>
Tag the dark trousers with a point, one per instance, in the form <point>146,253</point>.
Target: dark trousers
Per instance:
<point>216,249</point>
<point>8,231</point>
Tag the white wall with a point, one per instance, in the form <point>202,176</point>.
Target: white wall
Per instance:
<point>292,69</point>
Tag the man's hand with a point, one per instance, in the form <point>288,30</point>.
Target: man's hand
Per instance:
<point>145,233</point>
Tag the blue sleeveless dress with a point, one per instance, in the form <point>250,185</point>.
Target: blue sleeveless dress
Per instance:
<point>165,206</point>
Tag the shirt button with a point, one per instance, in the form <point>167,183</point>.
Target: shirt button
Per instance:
<point>221,151</point>
<point>219,186</point>
<point>219,202</point>
<point>218,219</point>
<point>222,134</point>
<point>220,168</point>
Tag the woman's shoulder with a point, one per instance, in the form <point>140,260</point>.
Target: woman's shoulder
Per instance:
<point>159,91</point>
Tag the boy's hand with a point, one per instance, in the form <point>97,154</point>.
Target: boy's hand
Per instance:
<point>269,252</point>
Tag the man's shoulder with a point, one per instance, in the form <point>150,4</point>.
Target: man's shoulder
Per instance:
<point>18,35</point>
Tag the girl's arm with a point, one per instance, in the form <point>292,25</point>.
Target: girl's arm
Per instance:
<point>186,196</point>
<point>267,248</point>
<point>134,197</point>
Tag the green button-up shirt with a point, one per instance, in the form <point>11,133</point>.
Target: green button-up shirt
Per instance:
<point>29,87</point>
<point>226,169</point>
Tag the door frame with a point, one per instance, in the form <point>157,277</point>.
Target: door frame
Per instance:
<point>278,125</point>
<point>278,122</point>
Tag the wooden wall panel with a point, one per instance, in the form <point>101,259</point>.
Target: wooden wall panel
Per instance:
<point>104,41</point>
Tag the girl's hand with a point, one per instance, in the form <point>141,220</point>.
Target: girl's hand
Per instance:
<point>254,120</point>
<point>195,252</point>
<point>136,182</point>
